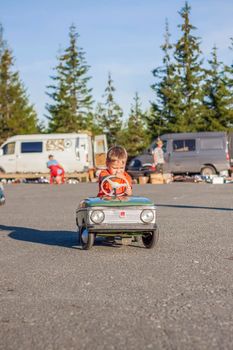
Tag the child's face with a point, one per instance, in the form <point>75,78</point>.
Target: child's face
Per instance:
<point>116,167</point>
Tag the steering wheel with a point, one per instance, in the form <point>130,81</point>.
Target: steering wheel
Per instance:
<point>114,185</point>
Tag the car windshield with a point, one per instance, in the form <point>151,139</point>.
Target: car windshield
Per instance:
<point>135,163</point>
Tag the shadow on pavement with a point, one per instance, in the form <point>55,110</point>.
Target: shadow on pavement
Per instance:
<point>67,239</point>
<point>191,207</point>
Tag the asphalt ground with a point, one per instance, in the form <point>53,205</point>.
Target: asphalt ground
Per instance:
<point>53,295</point>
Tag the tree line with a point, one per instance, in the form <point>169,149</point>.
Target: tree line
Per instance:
<point>188,96</point>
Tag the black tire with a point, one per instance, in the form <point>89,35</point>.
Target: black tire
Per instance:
<point>208,170</point>
<point>86,245</point>
<point>150,239</point>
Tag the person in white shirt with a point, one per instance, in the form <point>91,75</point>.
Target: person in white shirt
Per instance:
<point>158,156</point>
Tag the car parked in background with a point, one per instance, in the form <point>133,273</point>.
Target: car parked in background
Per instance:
<point>230,147</point>
<point>2,195</point>
<point>136,168</point>
<point>203,153</point>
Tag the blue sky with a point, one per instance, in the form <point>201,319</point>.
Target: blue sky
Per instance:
<point>119,36</point>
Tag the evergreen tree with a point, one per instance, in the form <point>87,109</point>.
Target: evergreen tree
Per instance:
<point>134,137</point>
<point>218,99</point>
<point>17,115</point>
<point>109,114</point>
<point>164,109</point>
<point>72,100</point>
<point>190,78</point>
<point>2,41</point>
<point>229,75</point>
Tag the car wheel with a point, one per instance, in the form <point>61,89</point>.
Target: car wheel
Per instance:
<point>86,239</point>
<point>150,239</point>
<point>208,170</point>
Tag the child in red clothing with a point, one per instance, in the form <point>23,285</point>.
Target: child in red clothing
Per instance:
<point>116,162</point>
<point>57,172</point>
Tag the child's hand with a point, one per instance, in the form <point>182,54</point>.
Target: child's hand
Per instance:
<point>128,191</point>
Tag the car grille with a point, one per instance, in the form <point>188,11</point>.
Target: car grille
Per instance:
<point>115,216</point>
<point>122,216</point>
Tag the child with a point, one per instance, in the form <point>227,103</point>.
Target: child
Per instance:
<point>158,156</point>
<point>56,170</point>
<point>115,162</point>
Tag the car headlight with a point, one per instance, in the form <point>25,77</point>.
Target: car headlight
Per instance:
<point>97,216</point>
<point>147,215</point>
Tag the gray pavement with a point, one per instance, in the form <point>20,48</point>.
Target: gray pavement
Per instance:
<point>53,295</point>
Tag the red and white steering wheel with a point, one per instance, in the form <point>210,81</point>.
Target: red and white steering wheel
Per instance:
<point>114,185</point>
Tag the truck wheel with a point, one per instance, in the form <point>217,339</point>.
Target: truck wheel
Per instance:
<point>86,239</point>
<point>208,170</point>
<point>150,239</point>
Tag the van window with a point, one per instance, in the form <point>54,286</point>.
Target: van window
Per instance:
<point>135,163</point>
<point>184,145</point>
<point>9,148</point>
<point>216,143</point>
<point>164,146</point>
<point>77,153</point>
<point>31,147</point>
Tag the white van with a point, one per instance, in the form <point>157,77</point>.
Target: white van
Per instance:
<point>75,152</point>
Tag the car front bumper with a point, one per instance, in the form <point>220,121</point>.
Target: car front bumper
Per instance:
<point>123,228</point>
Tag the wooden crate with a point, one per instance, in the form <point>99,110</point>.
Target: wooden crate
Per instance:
<point>100,160</point>
<point>143,180</point>
<point>156,179</point>
<point>167,178</point>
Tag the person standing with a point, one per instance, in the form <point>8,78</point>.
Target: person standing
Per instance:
<point>158,156</point>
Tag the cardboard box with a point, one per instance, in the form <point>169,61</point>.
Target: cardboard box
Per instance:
<point>167,178</point>
<point>143,180</point>
<point>100,159</point>
<point>156,179</point>
<point>218,180</point>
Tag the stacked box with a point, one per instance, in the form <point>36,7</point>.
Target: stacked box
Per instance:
<point>156,179</point>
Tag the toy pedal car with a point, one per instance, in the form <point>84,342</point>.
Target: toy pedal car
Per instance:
<point>117,216</point>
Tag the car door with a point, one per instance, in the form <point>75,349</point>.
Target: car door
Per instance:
<point>100,151</point>
<point>8,158</point>
<point>81,153</point>
<point>184,156</point>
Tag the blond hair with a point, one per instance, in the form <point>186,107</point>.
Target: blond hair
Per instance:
<point>116,153</point>
<point>159,141</point>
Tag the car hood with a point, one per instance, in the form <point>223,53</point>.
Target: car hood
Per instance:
<point>115,202</point>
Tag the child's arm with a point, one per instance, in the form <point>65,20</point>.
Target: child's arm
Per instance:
<point>59,166</point>
<point>129,191</point>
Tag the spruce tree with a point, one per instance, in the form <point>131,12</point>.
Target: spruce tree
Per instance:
<point>109,114</point>
<point>218,97</point>
<point>72,99</point>
<point>190,78</point>
<point>164,108</point>
<point>17,115</point>
<point>134,136</point>
<point>229,74</point>
<point>2,41</point>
